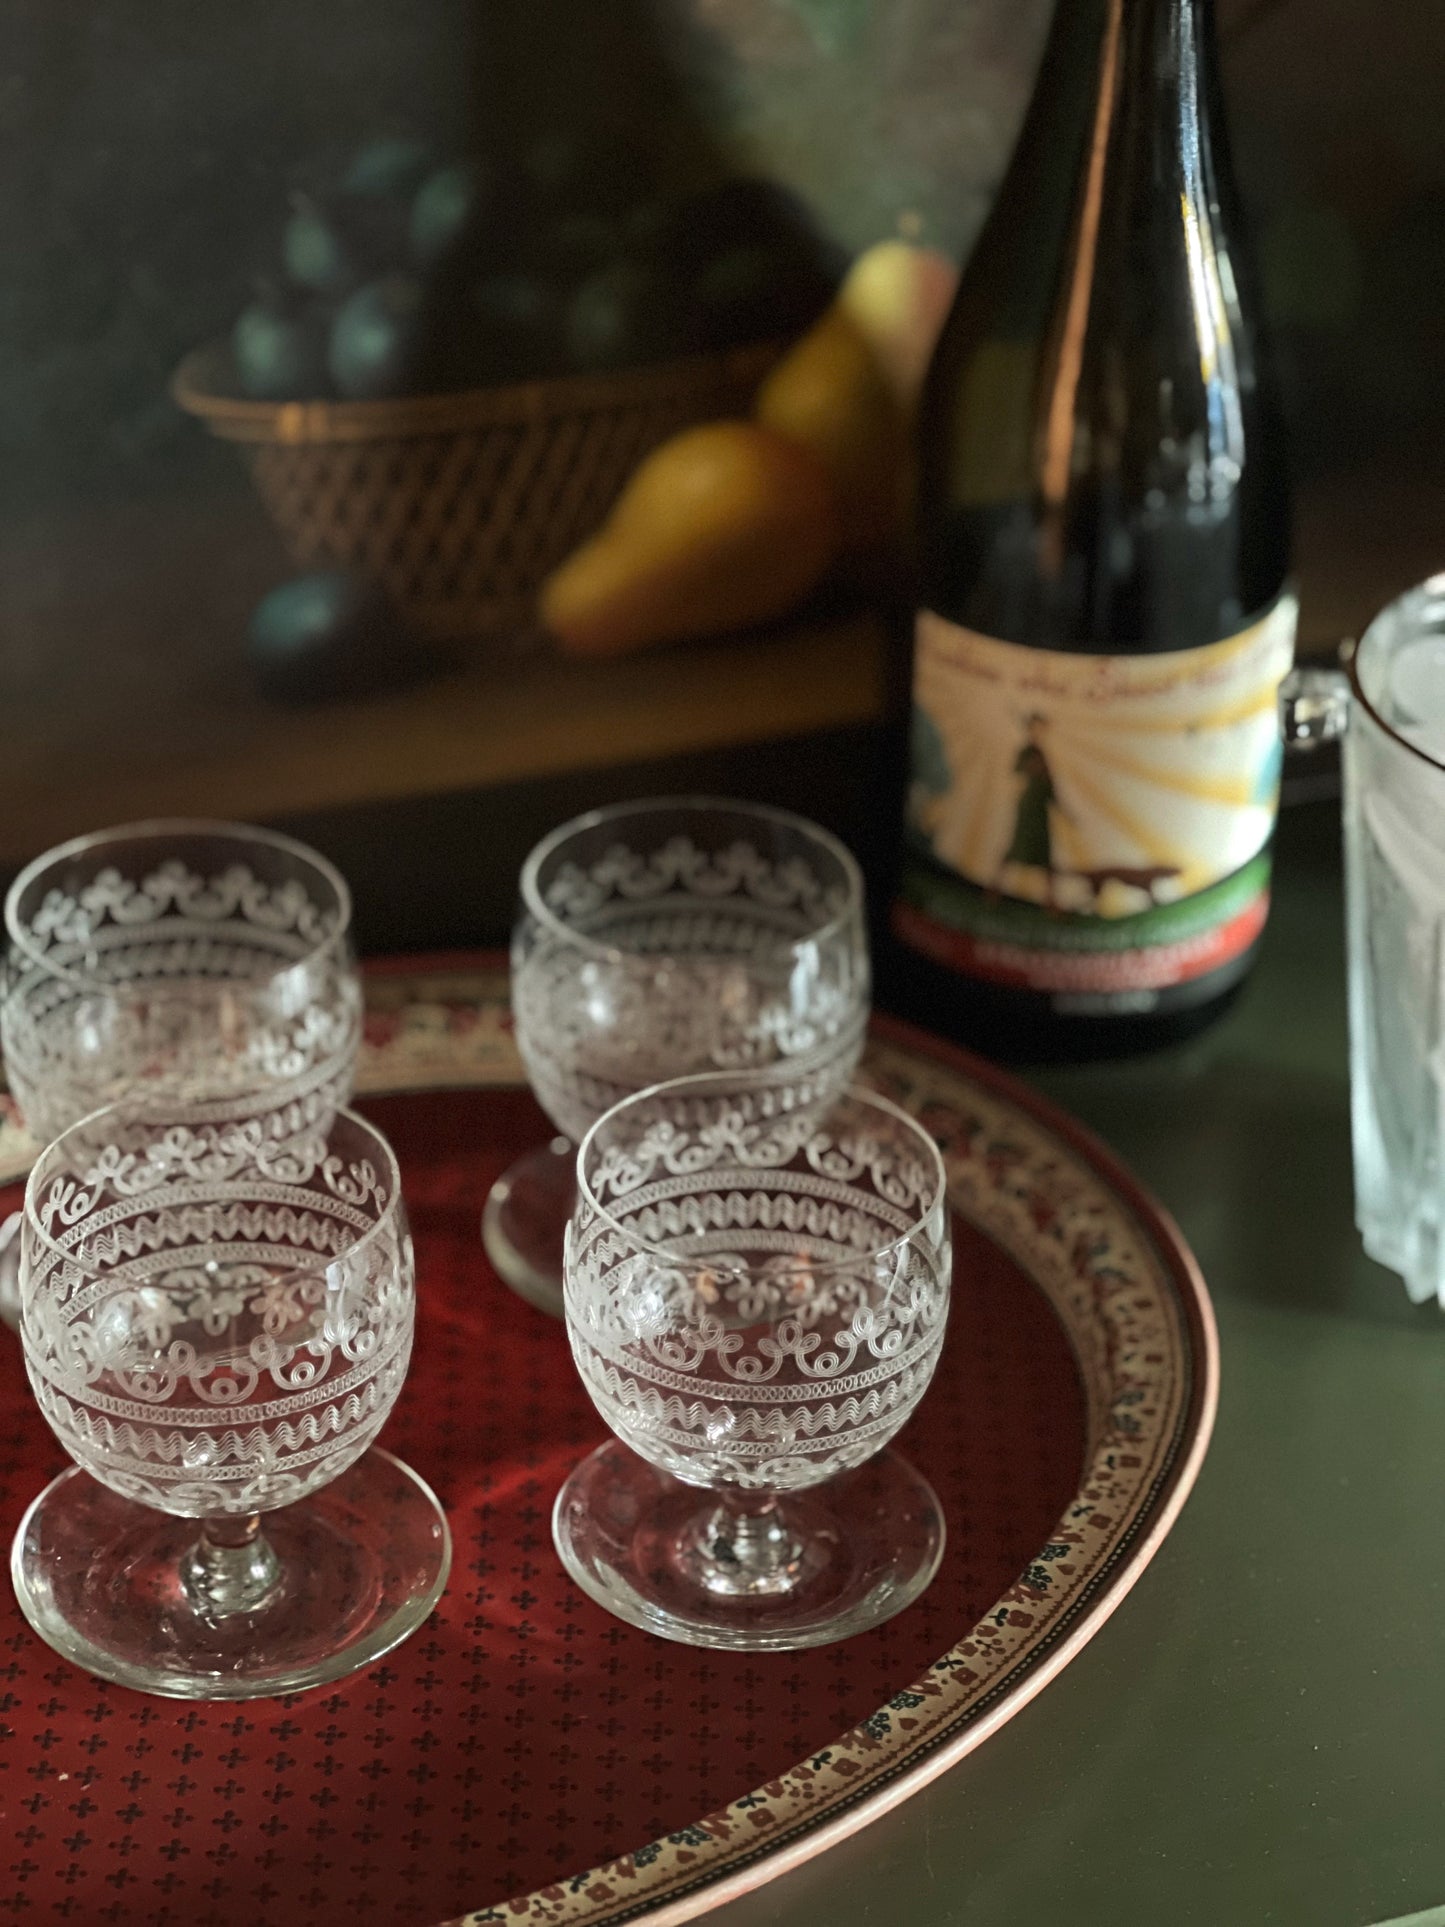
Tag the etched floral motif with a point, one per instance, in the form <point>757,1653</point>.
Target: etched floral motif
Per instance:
<point>641,965</point>
<point>191,992</point>
<point>213,1323</point>
<point>679,868</point>
<point>756,1300</point>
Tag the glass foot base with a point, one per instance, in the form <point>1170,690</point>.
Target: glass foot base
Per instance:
<point>10,1270</point>
<point>830,1561</point>
<point>362,1561</point>
<point>524,1220</point>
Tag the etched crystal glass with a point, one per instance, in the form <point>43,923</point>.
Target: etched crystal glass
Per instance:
<point>198,970</point>
<point>216,1326</point>
<point>662,938</point>
<point>756,1298</point>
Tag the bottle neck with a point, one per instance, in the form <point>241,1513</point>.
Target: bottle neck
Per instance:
<point>1104,57</point>
<point>1150,158</point>
<point>1168,80</point>
<point>1123,89</point>
<point>1109,69</point>
<point>1078,22</point>
<point>1170,162</point>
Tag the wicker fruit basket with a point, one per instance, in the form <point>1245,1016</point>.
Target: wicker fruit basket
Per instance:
<point>460,504</point>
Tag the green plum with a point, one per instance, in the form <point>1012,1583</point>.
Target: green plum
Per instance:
<point>624,316</point>
<point>280,350</point>
<point>449,202</point>
<point>331,634</point>
<point>379,339</point>
<point>315,249</point>
<point>392,164</point>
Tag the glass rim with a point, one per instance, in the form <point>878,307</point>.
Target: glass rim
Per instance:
<point>644,806</point>
<point>158,827</point>
<point>1432,585</point>
<point>855,1093</point>
<point>121,1109</point>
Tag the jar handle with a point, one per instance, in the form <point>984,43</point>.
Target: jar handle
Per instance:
<point>1314,704</point>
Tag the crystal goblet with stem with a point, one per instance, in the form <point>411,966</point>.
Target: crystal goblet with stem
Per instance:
<point>216,1326</point>
<point>756,1299</point>
<point>660,938</point>
<point>186,968</point>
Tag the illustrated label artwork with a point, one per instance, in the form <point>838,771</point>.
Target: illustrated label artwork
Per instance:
<point>1068,808</point>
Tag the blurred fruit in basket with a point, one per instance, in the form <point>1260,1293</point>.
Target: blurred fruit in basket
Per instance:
<point>279,346</point>
<point>314,250</point>
<point>449,203</point>
<point>622,317</point>
<point>829,394</point>
<point>573,257</point>
<point>376,198</point>
<point>734,523</point>
<point>331,634</point>
<point>898,296</point>
<point>411,272</point>
<point>378,339</point>
<point>722,527</point>
<point>359,229</point>
<point>390,164</point>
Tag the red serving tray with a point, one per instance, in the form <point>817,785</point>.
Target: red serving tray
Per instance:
<point>526,1744</point>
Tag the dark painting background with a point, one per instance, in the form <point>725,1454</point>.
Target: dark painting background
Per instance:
<point>147,156</point>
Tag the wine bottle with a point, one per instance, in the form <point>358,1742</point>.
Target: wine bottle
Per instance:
<point>1103,550</point>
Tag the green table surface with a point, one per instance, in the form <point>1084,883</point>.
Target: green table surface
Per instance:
<point>1258,1734</point>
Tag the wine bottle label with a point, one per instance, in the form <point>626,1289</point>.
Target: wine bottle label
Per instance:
<point>1093,826</point>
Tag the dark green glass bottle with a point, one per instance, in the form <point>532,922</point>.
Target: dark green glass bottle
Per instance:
<point>1106,608</point>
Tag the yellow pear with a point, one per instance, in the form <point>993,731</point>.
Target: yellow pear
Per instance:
<point>723,526</point>
<point>829,394</point>
<point>898,295</point>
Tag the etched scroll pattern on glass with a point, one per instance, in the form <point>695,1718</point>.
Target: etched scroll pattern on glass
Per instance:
<point>190,989</point>
<point>683,960</point>
<point>763,1334</point>
<point>205,1337</point>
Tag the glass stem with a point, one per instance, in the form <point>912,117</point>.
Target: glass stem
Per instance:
<point>743,1547</point>
<point>230,1569</point>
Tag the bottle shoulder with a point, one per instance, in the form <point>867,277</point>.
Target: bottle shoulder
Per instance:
<point>1138,492</point>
